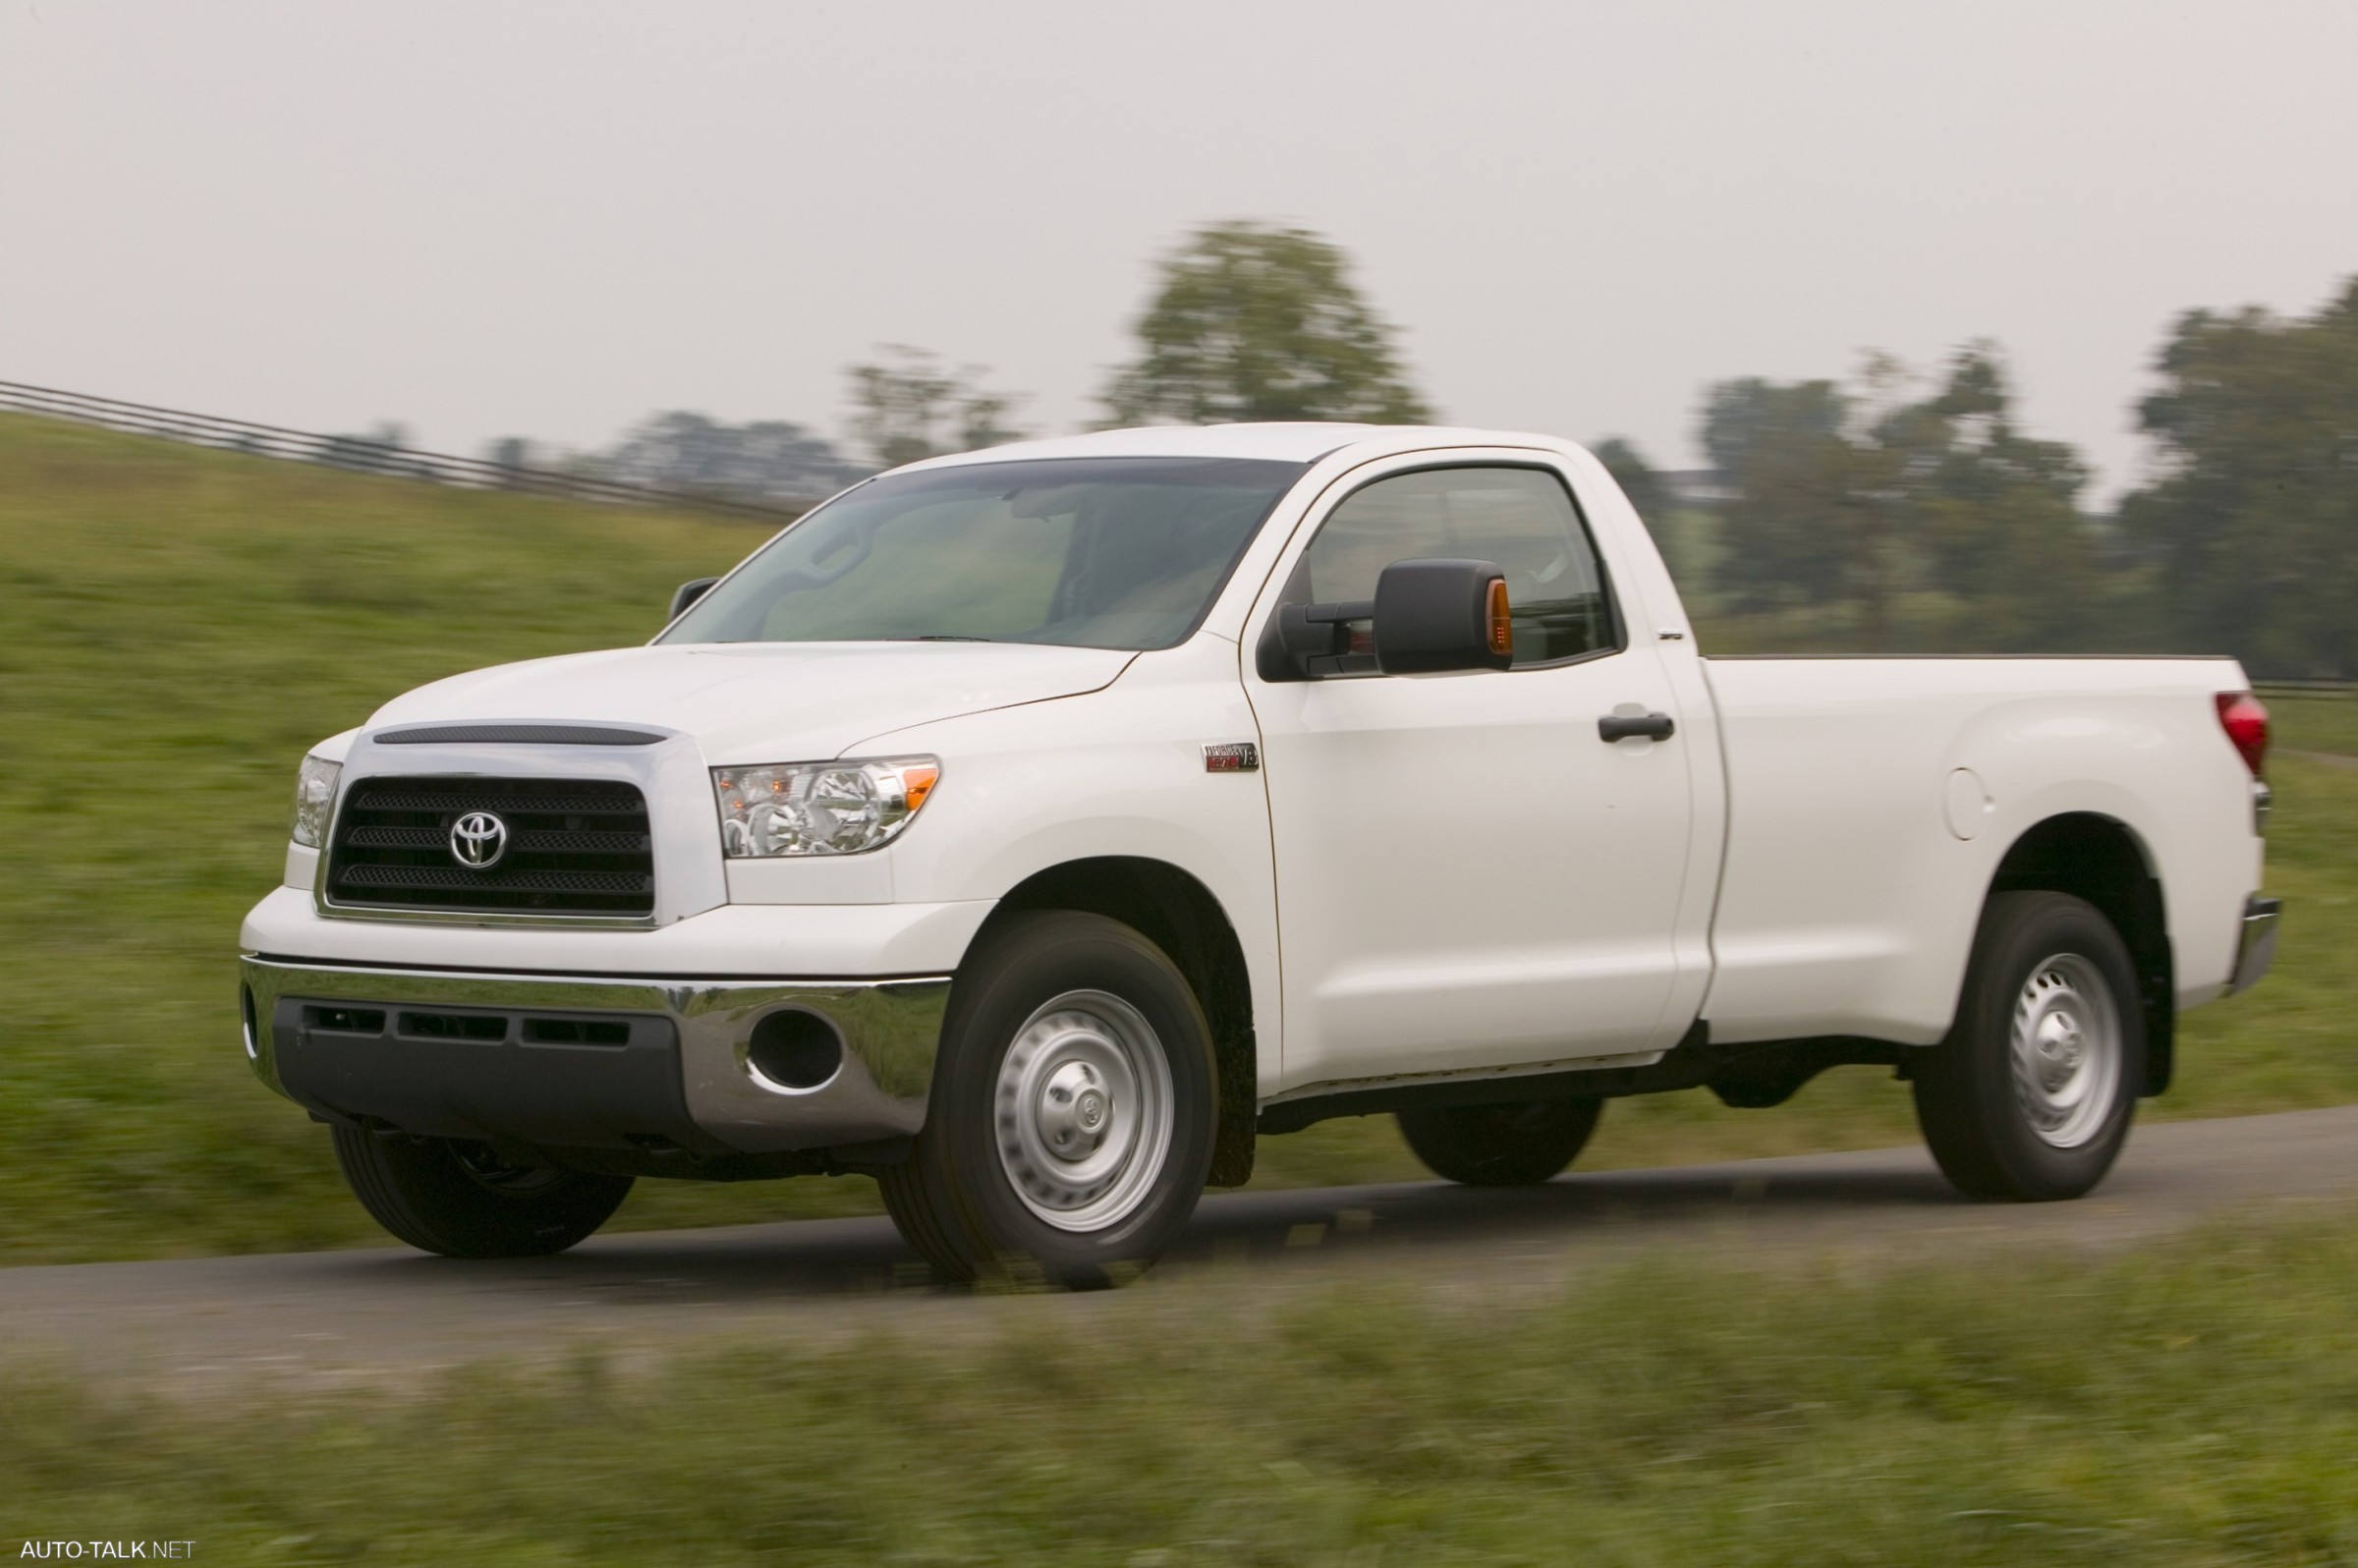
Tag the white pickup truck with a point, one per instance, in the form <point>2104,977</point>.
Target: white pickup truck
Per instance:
<point>1035,828</point>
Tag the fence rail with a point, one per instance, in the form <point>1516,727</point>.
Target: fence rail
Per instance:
<point>359,454</point>
<point>2304,689</point>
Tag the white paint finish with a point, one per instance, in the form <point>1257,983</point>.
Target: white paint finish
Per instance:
<point>1648,599</point>
<point>750,703</point>
<point>1847,908</point>
<point>302,868</point>
<point>1468,877</point>
<point>817,941</point>
<point>814,878</point>
<point>1966,804</point>
<point>1115,772</point>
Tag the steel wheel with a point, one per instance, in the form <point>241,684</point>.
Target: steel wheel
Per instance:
<point>2066,1050</point>
<point>1073,1110</point>
<point>2030,1096</point>
<point>1083,1111</point>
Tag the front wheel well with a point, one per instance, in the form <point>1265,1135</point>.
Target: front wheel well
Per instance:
<point>1178,914</point>
<point>2098,860</point>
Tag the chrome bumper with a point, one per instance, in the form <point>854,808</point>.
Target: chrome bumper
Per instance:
<point>2257,949</point>
<point>886,1029</point>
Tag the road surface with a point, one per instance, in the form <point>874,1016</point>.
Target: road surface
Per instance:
<point>384,1316</point>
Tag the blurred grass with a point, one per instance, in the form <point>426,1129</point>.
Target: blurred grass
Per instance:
<point>177,626</point>
<point>2193,1403</point>
<point>2327,724</point>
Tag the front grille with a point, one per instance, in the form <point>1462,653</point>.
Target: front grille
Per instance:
<point>573,846</point>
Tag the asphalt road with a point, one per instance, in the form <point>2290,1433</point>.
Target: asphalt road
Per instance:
<point>386,1317</point>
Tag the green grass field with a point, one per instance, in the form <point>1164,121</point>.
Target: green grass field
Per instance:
<point>2191,1404</point>
<point>179,625</point>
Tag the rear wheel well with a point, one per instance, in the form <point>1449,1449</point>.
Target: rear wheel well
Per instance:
<point>2098,860</point>
<point>1179,915</point>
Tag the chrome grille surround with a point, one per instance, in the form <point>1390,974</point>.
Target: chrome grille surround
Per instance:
<point>681,825</point>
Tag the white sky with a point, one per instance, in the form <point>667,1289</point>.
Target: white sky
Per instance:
<point>548,219</point>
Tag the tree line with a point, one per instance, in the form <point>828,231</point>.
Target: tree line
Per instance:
<point>1891,511</point>
<point>1881,515</point>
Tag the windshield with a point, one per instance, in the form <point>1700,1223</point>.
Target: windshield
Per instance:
<point>1088,552</point>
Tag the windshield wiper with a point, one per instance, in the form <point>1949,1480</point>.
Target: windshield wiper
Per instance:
<point>950,636</point>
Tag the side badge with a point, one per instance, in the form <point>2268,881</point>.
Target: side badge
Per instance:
<point>1232,756</point>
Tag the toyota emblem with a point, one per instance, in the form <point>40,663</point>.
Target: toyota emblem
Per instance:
<point>478,840</point>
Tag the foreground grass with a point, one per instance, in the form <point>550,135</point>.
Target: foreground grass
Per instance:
<point>177,627</point>
<point>2192,1404</point>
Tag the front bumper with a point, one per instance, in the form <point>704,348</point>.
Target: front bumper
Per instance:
<point>647,1068</point>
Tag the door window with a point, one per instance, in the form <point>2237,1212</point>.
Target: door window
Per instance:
<point>1520,519</point>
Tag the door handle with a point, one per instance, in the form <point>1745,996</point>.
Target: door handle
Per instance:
<point>1622,727</point>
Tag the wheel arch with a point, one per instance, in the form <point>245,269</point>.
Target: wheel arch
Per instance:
<point>1173,909</point>
<point>2103,861</point>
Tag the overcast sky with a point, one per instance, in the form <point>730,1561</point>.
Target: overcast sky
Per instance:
<point>548,219</point>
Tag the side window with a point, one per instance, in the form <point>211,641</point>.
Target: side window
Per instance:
<point>1522,519</point>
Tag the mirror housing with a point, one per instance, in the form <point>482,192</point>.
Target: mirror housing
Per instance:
<point>1438,615</point>
<point>688,594</point>
<point>1429,617</point>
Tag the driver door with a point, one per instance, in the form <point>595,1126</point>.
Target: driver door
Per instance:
<point>1468,875</point>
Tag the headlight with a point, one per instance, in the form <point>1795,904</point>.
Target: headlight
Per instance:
<point>819,807</point>
<point>314,800</point>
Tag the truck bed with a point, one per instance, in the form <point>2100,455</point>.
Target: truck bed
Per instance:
<point>1871,802</point>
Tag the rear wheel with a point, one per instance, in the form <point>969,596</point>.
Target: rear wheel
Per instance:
<point>462,1201</point>
<point>1072,1116</point>
<point>1501,1146</point>
<point>2030,1096</point>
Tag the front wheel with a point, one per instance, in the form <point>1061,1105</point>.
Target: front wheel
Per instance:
<point>2030,1096</point>
<point>462,1201</point>
<point>1501,1146</point>
<point>1071,1123</point>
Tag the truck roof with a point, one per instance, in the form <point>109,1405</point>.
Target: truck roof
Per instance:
<point>1301,442</point>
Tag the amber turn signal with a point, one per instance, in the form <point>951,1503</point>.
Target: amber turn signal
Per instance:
<point>1502,627</point>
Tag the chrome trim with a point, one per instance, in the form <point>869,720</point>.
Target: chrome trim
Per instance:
<point>891,1029</point>
<point>2264,802</point>
<point>2256,948</point>
<point>671,776</point>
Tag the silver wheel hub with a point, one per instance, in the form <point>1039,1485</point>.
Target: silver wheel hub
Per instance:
<point>2066,1050</point>
<point>1083,1111</point>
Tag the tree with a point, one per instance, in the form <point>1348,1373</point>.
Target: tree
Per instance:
<point>1673,528</point>
<point>2252,525</point>
<point>907,406</point>
<point>1800,529</point>
<point>771,460</point>
<point>1867,500</point>
<point>1258,323</point>
<point>1639,479</point>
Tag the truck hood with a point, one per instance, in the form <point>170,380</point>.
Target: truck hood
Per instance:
<point>748,703</point>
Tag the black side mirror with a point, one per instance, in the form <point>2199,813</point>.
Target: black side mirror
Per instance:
<point>1427,617</point>
<point>1442,615</point>
<point>688,594</point>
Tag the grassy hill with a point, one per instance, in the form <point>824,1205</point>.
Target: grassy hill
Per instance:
<point>177,626</point>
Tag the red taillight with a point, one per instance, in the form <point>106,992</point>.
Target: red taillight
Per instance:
<point>2245,720</point>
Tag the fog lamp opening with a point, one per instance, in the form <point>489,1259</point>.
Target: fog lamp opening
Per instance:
<point>793,1052</point>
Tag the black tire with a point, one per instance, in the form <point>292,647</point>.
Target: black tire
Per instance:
<point>2043,1121</point>
<point>1501,1146</point>
<point>993,1114</point>
<point>459,1200</point>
